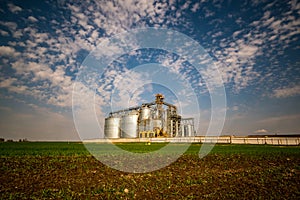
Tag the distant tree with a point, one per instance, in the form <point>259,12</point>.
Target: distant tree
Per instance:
<point>23,140</point>
<point>10,140</point>
<point>2,140</point>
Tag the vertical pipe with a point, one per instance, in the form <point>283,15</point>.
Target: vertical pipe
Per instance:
<point>176,128</point>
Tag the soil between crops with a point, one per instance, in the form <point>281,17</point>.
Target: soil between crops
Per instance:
<point>231,176</point>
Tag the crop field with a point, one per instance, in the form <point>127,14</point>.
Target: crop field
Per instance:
<point>62,170</point>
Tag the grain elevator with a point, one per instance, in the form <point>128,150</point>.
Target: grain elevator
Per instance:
<point>150,120</point>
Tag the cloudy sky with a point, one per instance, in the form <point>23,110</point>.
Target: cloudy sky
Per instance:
<point>45,45</point>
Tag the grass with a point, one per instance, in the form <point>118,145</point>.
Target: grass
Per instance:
<point>42,149</point>
<point>78,148</point>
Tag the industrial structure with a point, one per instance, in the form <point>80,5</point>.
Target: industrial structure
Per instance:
<point>150,120</point>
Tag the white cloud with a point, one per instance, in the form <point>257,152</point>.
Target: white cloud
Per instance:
<point>127,88</point>
<point>217,34</point>
<point>90,20</point>
<point>261,131</point>
<point>286,92</point>
<point>48,82</point>
<point>236,33</point>
<point>237,59</point>
<point>246,51</point>
<point>18,89</point>
<point>51,86</point>
<point>279,119</point>
<point>4,33</point>
<point>12,26</point>
<point>195,7</point>
<point>273,32</point>
<point>7,82</point>
<point>17,34</point>
<point>32,19</point>
<point>13,8</point>
<point>8,51</point>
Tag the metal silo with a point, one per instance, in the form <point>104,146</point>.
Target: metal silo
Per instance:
<point>157,123</point>
<point>145,113</point>
<point>112,127</point>
<point>129,125</point>
<point>190,130</point>
<point>185,131</point>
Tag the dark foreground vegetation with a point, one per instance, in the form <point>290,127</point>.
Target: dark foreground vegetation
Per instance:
<point>67,171</point>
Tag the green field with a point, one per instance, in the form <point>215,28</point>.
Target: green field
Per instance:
<point>78,149</point>
<point>62,170</point>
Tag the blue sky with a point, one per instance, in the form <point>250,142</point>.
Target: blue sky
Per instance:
<point>254,44</point>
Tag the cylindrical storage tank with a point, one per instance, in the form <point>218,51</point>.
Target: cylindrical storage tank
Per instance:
<point>185,131</point>
<point>149,126</point>
<point>145,113</point>
<point>112,127</point>
<point>129,126</point>
<point>157,123</point>
<point>182,130</point>
<point>145,125</point>
<point>190,130</point>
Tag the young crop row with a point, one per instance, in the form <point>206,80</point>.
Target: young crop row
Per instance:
<point>79,149</point>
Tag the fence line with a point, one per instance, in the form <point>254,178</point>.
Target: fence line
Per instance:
<point>210,139</point>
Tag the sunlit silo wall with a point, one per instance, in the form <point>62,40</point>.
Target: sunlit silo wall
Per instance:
<point>129,126</point>
<point>145,113</point>
<point>145,119</point>
<point>112,127</point>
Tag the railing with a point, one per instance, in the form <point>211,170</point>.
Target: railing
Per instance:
<point>210,139</point>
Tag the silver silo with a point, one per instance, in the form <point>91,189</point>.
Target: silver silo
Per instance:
<point>185,131</point>
<point>145,113</point>
<point>145,117</point>
<point>129,125</point>
<point>190,130</point>
<point>157,123</point>
<point>112,127</point>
